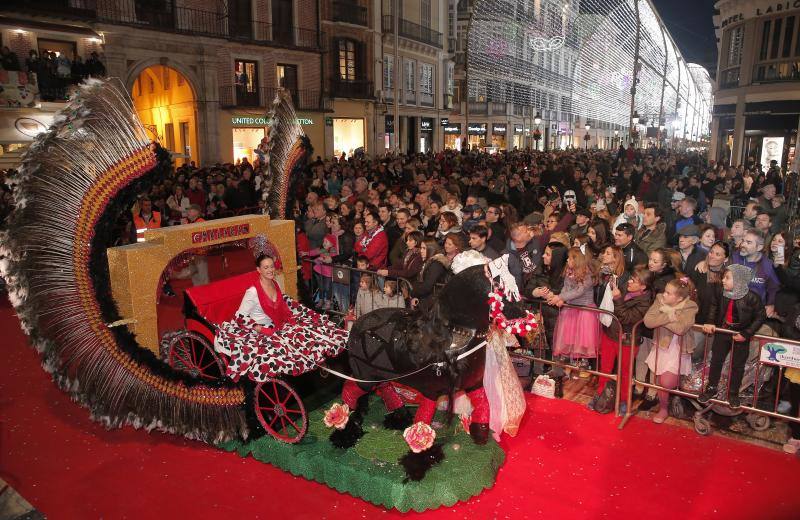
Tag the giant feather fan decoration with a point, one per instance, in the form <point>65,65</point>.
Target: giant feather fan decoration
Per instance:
<point>75,182</point>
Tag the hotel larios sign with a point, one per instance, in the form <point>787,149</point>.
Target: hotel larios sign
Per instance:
<point>756,9</point>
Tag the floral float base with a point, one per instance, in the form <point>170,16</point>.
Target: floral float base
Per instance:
<point>371,471</point>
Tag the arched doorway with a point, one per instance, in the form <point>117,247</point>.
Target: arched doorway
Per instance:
<point>167,106</point>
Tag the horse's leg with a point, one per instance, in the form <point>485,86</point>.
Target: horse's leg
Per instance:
<point>479,429</point>
<point>425,411</point>
<point>349,435</point>
<point>398,417</point>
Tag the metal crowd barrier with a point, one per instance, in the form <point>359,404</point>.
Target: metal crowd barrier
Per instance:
<point>772,353</point>
<point>343,285</point>
<point>614,376</point>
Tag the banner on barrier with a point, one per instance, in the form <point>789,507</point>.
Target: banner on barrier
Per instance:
<point>783,354</point>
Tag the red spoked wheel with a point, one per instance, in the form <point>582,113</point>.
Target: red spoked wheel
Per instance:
<point>280,410</point>
<point>191,352</point>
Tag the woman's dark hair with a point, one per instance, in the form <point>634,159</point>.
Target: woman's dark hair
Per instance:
<point>263,256</point>
<point>725,247</point>
<point>416,236</point>
<point>558,260</point>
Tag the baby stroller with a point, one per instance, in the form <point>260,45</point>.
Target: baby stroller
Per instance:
<point>693,383</point>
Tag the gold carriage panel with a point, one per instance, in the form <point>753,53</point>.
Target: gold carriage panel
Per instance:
<point>136,269</point>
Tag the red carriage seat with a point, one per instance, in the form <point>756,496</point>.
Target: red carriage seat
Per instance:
<point>215,303</point>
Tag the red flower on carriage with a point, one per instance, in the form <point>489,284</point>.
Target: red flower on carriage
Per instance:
<point>337,416</point>
<point>419,437</point>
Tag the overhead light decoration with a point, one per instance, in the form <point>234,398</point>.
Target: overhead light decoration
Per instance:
<point>577,59</point>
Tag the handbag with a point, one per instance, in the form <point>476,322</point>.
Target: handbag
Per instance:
<point>607,304</point>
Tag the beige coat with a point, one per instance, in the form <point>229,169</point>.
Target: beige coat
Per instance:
<point>658,319</point>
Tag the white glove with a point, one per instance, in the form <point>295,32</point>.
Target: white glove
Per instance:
<point>498,268</point>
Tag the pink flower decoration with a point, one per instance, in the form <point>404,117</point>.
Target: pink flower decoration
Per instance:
<point>419,437</point>
<point>466,420</point>
<point>337,416</point>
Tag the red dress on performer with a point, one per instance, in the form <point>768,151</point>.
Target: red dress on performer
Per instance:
<point>292,339</point>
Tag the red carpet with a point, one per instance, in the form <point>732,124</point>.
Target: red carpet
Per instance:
<point>566,463</point>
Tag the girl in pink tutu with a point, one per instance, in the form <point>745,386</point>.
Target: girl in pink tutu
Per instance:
<point>577,333</point>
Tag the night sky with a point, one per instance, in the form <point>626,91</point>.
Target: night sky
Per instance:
<point>691,26</point>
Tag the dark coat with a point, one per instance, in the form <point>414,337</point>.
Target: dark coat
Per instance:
<point>749,313</point>
<point>628,313</point>
<point>633,256</point>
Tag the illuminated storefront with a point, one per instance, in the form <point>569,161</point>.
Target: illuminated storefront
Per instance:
<point>425,134</point>
<point>348,136</point>
<point>249,131</point>
<point>452,135</point>
<point>476,135</point>
<point>499,131</point>
<point>518,137</point>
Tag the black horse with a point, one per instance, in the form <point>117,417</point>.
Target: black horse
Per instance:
<point>424,348</point>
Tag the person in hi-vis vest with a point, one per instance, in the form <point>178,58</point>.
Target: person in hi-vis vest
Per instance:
<point>145,218</point>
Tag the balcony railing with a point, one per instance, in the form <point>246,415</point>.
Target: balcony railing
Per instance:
<point>413,31</point>
<point>236,96</point>
<point>788,70</point>
<point>356,89</point>
<point>499,108</point>
<point>349,12</point>
<point>181,20</point>
<point>478,108</point>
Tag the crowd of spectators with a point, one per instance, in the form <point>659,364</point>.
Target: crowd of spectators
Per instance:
<point>53,73</point>
<point>634,232</point>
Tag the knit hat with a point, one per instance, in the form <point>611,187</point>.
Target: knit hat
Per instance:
<point>741,277</point>
<point>633,202</point>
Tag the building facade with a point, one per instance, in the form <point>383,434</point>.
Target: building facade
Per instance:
<point>201,75</point>
<point>757,100</point>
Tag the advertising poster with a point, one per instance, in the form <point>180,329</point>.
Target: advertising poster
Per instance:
<point>771,150</point>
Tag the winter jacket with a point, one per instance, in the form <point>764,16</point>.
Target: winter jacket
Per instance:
<point>633,256</point>
<point>377,251</point>
<point>656,318</point>
<point>628,313</point>
<point>765,282</point>
<point>433,272</point>
<point>706,292</point>
<point>410,266</point>
<point>749,313</point>
<point>695,257</point>
<point>649,240</point>
<point>524,263</point>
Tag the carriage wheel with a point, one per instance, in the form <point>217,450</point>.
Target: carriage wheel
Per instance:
<point>191,352</point>
<point>280,410</point>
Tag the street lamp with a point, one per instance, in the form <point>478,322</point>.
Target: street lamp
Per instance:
<point>537,118</point>
<point>635,118</point>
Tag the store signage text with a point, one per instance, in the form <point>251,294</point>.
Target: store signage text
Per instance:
<point>517,129</point>
<point>444,121</point>
<point>264,121</point>
<point>476,129</point>
<point>426,124</point>
<point>498,129</point>
<point>452,129</point>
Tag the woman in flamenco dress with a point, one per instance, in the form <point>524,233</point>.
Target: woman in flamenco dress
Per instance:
<point>272,334</point>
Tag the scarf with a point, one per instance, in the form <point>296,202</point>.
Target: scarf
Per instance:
<point>634,294</point>
<point>277,310</point>
<point>368,237</point>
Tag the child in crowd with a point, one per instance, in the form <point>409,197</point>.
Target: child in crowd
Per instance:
<point>323,257</point>
<point>736,307</point>
<point>629,309</point>
<point>671,317</point>
<point>454,206</point>
<point>577,332</point>
<point>368,296</point>
<point>362,263</point>
<point>391,298</point>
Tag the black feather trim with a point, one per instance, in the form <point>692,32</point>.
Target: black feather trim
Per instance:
<point>348,436</point>
<point>398,419</point>
<point>417,465</point>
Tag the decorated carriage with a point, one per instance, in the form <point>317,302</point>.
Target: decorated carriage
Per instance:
<point>276,405</point>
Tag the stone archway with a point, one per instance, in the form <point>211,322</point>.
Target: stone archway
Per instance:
<point>166,101</point>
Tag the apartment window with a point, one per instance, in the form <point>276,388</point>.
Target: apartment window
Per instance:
<point>426,84</point>
<point>410,82</point>
<point>425,13</point>
<point>450,82</point>
<point>245,79</point>
<point>735,45</point>
<point>287,76</point>
<point>347,60</point>
<point>388,72</point>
